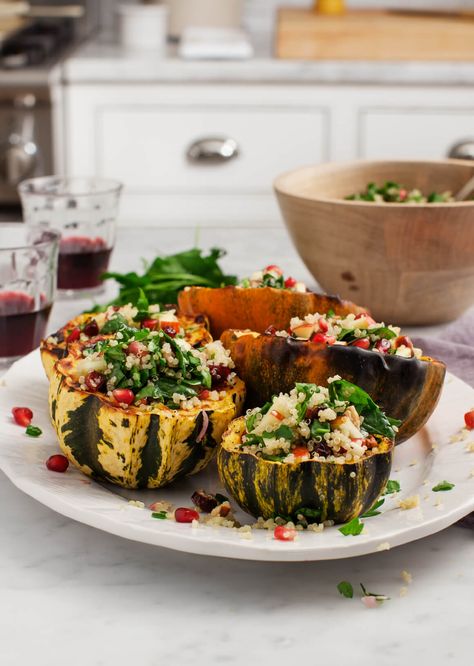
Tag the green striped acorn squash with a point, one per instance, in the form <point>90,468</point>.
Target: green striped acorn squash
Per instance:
<point>195,330</point>
<point>406,388</point>
<point>266,488</point>
<point>128,446</point>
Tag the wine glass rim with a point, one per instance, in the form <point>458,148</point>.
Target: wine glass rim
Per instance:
<point>39,186</point>
<point>54,236</point>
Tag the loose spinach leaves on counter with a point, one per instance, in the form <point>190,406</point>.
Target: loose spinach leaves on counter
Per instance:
<point>375,421</point>
<point>166,276</point>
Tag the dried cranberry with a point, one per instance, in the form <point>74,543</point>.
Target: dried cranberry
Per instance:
<point>94,380</point>
<point>219,374</point>
<point>322,449</point>
<point>184,515</point>
<point>383,345</point>
<point>169,330</point>
<point>91,328</point>
<point>57,463</point>
<point>204,501</point>
<point>22,416</point>
<point>312,413</point>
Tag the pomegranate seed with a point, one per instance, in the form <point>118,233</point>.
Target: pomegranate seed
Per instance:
<point>124,395</point>
<point>57,463</point>
<point>290,282</point>
<point>219,374</point>
<point>403,340</point>
<point>402,194</point>
<point>150,323</point>
<point>94,380</point>
<point>362,343</point>
<point>323,325</point>
<point>271,330</point>
<point>137,348</point>
<point>74,335</point>
<point>204,394</point>
<point>319,337</point>
<point>169,331</point>
<point>330,339</point>
<point>383,345</point>
<point>183,515</point>
<point>91,328</point>
<point>204,501</point>
<point>469,419</point>
<point>283,533</point>
<point>272,268</point>
<point>22,416</point>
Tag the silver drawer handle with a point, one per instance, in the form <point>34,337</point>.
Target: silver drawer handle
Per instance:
<point>463,150</point>
<point>212,150</point>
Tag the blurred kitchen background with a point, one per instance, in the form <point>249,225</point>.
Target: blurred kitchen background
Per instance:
<point>198,130</point>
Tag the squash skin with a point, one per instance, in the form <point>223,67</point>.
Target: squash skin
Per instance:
<point>405,389</point>
<point>268,489</point>
<point>129,447</point>
<point>196,333</point>
<point>256,308</point>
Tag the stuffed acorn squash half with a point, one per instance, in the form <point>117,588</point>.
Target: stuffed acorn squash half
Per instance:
<point>317,452</point>
<point>89,325</point>
<point>141,408</point>
<point>255,303</point>
<point>406,384</point>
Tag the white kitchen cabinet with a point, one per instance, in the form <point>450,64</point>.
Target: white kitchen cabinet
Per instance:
<point>140,134</point>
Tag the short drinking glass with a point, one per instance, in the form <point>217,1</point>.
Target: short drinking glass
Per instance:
<point>28,268</point>
<point>84,211</point>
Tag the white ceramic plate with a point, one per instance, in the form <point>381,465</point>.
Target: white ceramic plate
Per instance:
<point>419,464</point>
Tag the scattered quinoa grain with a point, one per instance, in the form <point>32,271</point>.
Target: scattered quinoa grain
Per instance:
<point>409,503</point>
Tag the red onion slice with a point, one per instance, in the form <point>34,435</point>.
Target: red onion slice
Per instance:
<point>205,424</point>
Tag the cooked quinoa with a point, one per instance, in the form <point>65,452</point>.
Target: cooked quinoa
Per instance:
<point>272,276</point>
<point>154,366</point>
<point>351,330</point>
<point>339,423</point>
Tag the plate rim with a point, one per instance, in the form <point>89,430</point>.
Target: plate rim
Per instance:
<point>239,548</point>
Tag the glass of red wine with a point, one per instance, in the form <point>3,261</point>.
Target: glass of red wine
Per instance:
<point>84,211</point>
<point>28,268</point>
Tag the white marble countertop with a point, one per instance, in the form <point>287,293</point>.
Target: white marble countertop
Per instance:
<point>74,596</point>
<point>100,60</point>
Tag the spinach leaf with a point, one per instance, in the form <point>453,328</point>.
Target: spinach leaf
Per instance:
<point>375,421</point>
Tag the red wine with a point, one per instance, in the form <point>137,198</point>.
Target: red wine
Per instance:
<point>81,262</point>
<point>21,327</point>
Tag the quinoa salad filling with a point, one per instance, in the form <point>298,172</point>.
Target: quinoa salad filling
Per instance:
<point>141,366</point>
<point>272,276</point>
<point>109,321</point>
<point>391,192</point>
<point>340,424</point>
<point>352,330</point>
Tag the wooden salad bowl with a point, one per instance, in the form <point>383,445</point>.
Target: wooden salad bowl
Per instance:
<point>411,264</point>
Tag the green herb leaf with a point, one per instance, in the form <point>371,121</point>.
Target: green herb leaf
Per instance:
<point>373,509</point>
<point>282,432</point>
<point>346,589</point>
<point>375,421</point>
<point>391,487</point>
<point>33,431</point>
<point>352,528</point>
<point>319,429</point>
<point>442,485</point>
<point>311,515</point>
<point>159,515</point>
